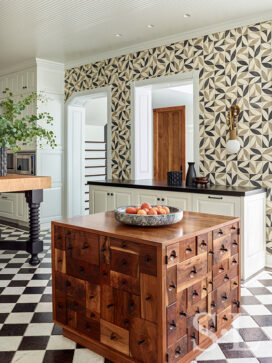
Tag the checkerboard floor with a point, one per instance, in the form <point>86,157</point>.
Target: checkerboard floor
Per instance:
<point>27,333</point>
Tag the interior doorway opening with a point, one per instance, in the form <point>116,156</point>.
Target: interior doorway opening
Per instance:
<point>88,146</point>
<point>165,126</point>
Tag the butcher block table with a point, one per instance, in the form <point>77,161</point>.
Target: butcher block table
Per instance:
<point>33,187</point>
<point>134,294</point>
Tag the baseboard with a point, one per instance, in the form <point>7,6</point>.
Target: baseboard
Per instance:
<point>13,224</point>
<point>268,261</point>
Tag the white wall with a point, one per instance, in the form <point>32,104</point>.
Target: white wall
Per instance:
<point>169,98</point>
<point>96,111</point>
<point>94,133</point>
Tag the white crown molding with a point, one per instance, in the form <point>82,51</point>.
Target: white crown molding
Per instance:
<point>50,65</point>
<point>171,39</point>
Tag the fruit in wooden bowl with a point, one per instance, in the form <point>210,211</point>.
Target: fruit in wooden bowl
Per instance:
<point>147,215</point>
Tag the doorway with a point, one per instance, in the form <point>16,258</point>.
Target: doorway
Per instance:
<point>180,90</point>
<point>88,146</point>
<point>169,151</point>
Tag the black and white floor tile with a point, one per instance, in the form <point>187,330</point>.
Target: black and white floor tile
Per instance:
<point>27,333</point>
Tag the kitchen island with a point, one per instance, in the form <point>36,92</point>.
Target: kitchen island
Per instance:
<point>149,295</point>
<point>247,203</point>
<point>32,187</point>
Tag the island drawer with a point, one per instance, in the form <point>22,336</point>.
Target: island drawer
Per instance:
<point>83,246</point>
<point>187,249</point>
<point>191,271</point>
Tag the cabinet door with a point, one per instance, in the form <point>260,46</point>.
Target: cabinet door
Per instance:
<point>26,81</point>
<point>178,200</point>
<point>122,197</point>
<point>147,196</point>
<point>216,204</point>
<point>22,208</point>
<point>98,199</point>
<point>7,205</point>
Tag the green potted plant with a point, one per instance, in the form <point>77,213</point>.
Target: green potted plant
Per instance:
<point>16,127</point>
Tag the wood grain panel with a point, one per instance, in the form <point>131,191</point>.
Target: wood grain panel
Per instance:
<point>60,260</point>
<point>114,336</point>
<point>149,297</point>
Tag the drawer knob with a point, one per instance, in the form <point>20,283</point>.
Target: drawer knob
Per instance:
<point>177,352</point>
<point>235,243</point>
<point>225,318</point>
<point>141,341</point>
<point>226,278</point>
<point>193,337</point>
<point>172,287</point>
<point>203,244</point>
<point>131,305</point>
<point>92,315</point>
<point>237,303</point>
<point>172,325</point>
<point>195,293</point>
<point>188,250</point>
<point>81,270</point>
<point>148,298</point>
<point>193,273</point>
<point>123,282</point>
<point>235,283</point>
<point>91,297</point>
<point>224,298</point>
<point>234,262</point>
<point>211,253</point>
<point>113,336</point>
<point>205,288</point>
<point>124,262</point>
<point>60,306</point>
<point>233,228</point>
<point>173,255</point>
<point>212,326</point>
<point>60,260</point>
<point>147,258</point>
<point>213,304</point>
<point>221,269</point>
<point>84,247</point>
<point>220,232</point>
<point>123,245</point>
<point>182,313</point>
<point>110,306</point>
<point>223,249</point>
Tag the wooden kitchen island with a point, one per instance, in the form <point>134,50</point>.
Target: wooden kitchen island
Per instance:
<point>33,187</point>
<point>146,295</point>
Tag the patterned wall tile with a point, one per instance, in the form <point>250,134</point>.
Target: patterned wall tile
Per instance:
<point>235,66</point>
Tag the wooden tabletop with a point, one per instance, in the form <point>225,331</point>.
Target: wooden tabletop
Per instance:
<point>191,224</point>
<point>19,183</point>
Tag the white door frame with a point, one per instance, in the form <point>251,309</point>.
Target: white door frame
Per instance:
<point>78,99</point>
<point>175,78</point>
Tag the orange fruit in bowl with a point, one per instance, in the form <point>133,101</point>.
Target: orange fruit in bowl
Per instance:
<point>137,209</point>
<point>161,211</point>
<point>142,212</point>
<point>146,206</point>
<point>131,210</point>
<point>166,209</point>
<point>152,212</point>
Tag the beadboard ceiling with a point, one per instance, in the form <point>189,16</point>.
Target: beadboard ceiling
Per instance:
<point>72,31</point>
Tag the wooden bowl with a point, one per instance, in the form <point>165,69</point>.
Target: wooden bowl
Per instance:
<point>174,216</point>
<point>203,180</point>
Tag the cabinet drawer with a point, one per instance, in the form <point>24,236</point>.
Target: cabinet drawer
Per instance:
<point>197,308</point>
<point>193,334</point>
<point>143,341</point>
<point>171,285</point>
<point>172,253</point>
<point>194,293</point>
<point>220,280</point>
<point>83,246</point>
<point>234,283</point>
<point>114,336</point>
<point>211,302</point>
<point>92,300</point>
<point>148,260</point>
<point>202,243</point>
<point>181,313</point>
<point>207,328</point>
<point>178,350</point>
<point>125,282</point>
<point>88,327</point>
<point>223,231</point>
<point>59,237</point>
<point>60,309</point>
<point>235,303</point>
<point>124,262</point>
<point>224,319</point>
<point>125,245</point>
<point>171,318</point>
<point>60,260</point>
<point>192,270</point>
<point>187,249</point>
<point>83,270</point>
<point>223,296</point>
<point>149,301</point>
<point>107,303</point>
<point>234,261</point>
<point>221,268</point>
<point>75,288</point>
<point>221,249</point>
<point>126,306</point>
<point>234,244</point>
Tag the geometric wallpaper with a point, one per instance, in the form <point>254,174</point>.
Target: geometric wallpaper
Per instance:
<point>235,66</point>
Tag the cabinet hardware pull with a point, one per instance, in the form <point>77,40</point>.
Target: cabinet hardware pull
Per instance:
<point>148,298</point>
<point>224,297</point>
<point>210,282</point>
<point>141,341</point>
<point>235,283</point>
<point>109,306</point>
<point>182,313</point>
<point>203,244</point>
<point>111,194</point>
<point>177,352</point>
<point>113,337</point>
<point>4,197</point>
<point>104,274</point>
<point>173,286</point>
<point>147,259</point>
<point>84,247</point>
<point>233,228</point>
<point>226,278</point>
<point>193,337</point>
<point>188,250</point>
<point>221,269</point>
<point>211,253</point>
<point>219,198</point>
<point>195,293</point>
<point>124,262</point>
<point>131,304</point>
<point>193,273</point>
<point>81,270</point>
<point>163,199</point>
<point>212,326</point>
<point>123,283</point>
<point>223,249</point>
<point>158,198</point>
<point>4,92</point>
<point>236,303</point>
<point>91,297</point>
<point>173,325</point>
<point>213,304</point>
<point>123,245</point>
<point>234,262</point>
<point>173,255</point>
<point>108,193</point>
<point>235,243</point>
<point>60,306</point>
<point>225,318</point>
<point>220,232</point>
<point>92,315</point>
<point>59,260</point>
<point>205,288</point>
<point>24,87</point>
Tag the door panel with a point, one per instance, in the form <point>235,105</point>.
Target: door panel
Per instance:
<point>169,140</point>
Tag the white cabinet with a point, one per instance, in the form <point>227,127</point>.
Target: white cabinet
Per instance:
<point>104,199</point>
<point>216,204</point>
<point>7,205</point>
<point>251,210</point>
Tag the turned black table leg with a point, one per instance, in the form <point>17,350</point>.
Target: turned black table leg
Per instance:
<point>34,245</point>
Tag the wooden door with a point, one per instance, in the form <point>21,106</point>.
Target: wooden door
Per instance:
<point>169,141</point>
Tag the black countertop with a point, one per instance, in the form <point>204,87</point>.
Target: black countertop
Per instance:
<point>162,185</point>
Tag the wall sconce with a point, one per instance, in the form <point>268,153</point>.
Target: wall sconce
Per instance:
<point>233,145</point>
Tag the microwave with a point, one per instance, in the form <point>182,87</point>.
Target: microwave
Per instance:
<point>25,163</point>
<point>11,162</point>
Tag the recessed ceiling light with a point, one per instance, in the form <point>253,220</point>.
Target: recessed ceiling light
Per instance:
<point>150,26</point>
<point>187,15</point>
<point>118,35</point>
